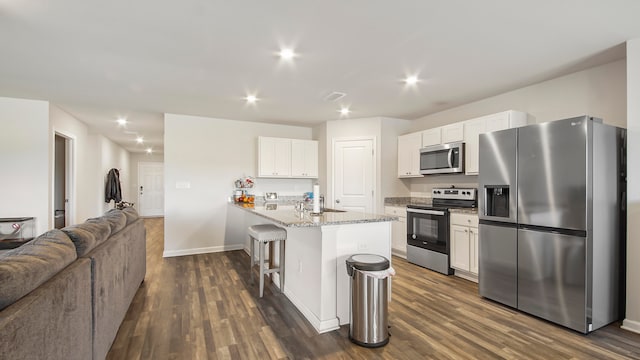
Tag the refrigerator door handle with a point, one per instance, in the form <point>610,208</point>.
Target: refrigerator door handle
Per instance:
<point>450,158</point>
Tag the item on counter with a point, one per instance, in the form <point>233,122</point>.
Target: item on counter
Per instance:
<point>244,183</point>
<point>245,198</point>
<point>316,199</point>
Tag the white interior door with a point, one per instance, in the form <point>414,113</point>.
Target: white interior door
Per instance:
<point>151,189</point>
<point>353,175</point>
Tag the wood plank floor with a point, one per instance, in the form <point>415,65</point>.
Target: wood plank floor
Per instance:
<point>202,307</point>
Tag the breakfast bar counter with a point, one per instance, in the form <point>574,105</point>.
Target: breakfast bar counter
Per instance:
<point>316,249</point>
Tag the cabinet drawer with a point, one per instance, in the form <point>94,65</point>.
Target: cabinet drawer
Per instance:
<point>400,211</point>
<point>464,220</point>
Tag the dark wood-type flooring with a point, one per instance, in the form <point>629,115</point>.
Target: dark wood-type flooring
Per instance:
<point>202,307</point>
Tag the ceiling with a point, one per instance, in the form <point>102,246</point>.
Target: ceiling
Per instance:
<point>100,60</point>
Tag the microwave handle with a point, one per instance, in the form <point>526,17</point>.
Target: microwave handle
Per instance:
<point>450,158</point>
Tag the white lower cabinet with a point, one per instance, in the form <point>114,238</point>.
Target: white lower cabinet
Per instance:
<point>463,235</point>
<point>398,230</point>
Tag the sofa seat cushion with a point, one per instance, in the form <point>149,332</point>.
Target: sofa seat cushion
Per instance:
<point>25,268</point>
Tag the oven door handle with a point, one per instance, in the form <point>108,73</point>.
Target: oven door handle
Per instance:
<point>428,212</point>
<point>450,158</point>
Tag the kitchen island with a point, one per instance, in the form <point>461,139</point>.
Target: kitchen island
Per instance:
<point>315,252</point>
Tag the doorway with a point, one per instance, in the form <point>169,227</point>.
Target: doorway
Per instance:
<point>354,175</point>
<point>151,188</point>
<point>62,181</point>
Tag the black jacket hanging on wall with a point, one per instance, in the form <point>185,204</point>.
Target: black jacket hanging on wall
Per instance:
<point>112,190</point>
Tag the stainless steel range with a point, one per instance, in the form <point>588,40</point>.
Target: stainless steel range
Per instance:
<point>428,227</point>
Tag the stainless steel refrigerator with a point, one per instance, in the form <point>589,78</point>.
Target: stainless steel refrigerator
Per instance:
<point>551,229</point>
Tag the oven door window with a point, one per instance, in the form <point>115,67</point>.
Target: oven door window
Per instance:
<point>429,232</point>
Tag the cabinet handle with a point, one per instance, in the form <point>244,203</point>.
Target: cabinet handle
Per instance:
<point>466,230</point>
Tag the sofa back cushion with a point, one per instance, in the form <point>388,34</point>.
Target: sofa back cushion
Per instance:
<point>25,268</point>
<point>84,236</point>
<point>131,214</point>
<point>114,218</point>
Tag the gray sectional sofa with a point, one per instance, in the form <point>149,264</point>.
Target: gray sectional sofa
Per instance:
<point>64,294</point>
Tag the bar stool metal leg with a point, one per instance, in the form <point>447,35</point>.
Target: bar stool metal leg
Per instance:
<point>261,264</point>
<point>251,262</point>
<point>281,265</point>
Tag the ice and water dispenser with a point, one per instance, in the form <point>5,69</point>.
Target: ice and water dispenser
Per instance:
<point>496,200</point>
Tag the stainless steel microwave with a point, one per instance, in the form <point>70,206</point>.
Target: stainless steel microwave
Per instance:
<point>442,159</point>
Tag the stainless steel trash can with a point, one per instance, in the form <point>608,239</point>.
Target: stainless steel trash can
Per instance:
<point>368,315</point>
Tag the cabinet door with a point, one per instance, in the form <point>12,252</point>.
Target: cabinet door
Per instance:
<point>472,129</point>
<point>304,158</point>
<point>496,122</point>
<point>409,155</point>
<point>473,250</point>
<point>505,120</point>
<point>452,133</point>
<point>460,247</point>
<point>274,157</point>
<point>432,137</point>
<point>398,230</point>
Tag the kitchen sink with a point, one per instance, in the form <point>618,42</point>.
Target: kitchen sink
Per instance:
<point>333,210</point>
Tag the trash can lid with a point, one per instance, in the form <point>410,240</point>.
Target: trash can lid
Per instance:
<point>368,262</point>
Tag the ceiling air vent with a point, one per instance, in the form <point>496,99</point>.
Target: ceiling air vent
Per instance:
<point>335,96</point>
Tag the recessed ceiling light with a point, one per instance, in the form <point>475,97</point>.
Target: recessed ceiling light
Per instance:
<point>149,150</point>
<point>411,80</point>
<point>345,111</point>
<point>287,54</point>
<point>251,99</point>
<point>139,139</point>
<point>122,121</point>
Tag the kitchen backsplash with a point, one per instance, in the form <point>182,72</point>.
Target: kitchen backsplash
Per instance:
<point>421,187</point>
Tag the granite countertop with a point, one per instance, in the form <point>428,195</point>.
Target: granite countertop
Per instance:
<point>287,216</point>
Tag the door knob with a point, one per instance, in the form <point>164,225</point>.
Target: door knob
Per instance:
<point>337,201</point>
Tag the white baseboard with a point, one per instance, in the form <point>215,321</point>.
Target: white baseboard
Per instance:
<point>466,275</point>
<point>631,325</point>
<point>204,250</point>
<point>320,326</point>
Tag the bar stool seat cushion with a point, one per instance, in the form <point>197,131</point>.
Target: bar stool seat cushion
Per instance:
<point>267,232</point>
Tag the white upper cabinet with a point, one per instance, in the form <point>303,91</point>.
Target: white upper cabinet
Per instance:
<point>494,122</point>
<point>304,158</point>
<point>286,158</point>
<point>431,137</point>
<point>409,155</point>
<point>274,157</point>
<point>472,129</point>
<point>453,133</point>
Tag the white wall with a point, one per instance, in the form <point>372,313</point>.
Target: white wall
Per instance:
<point>94,155</point>
<point>599,91</point>
<point>208,154</point>
<point>84,164</point>
<point>390,184</point>
<point>114,156</point>
<point>25,178</point>
<point>632,320</point>
<point>385,132</point>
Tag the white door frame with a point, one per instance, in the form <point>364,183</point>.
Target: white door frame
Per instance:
<point>139,181</point>
<point>374,184</point>
<point>70,178</point>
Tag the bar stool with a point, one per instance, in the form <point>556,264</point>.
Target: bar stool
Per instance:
<point>263,234</point>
